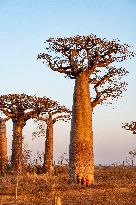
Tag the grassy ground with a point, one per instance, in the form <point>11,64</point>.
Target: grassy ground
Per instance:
<point>113,185</point>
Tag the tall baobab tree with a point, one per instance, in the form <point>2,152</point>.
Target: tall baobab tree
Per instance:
<point>50,118</point>
<point>88,60</point>
<point>3,144</point>
<point>20,108</point>
<point>130,126</point>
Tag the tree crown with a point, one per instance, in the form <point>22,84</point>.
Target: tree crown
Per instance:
<point>76,54</point>
<point>24,106</point>
<point>95,56</point>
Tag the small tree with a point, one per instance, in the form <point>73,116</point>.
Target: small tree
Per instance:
<point>3,144</point>
<point>88,60</point>
<point>26,157</point>
<point>50,118</point>
<point>130,126</point>
<point>132,154</point>
<point>20,108</point>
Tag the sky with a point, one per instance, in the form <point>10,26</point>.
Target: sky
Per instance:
<point>26,25</point>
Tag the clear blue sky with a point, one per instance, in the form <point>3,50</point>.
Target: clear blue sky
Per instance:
<point>25,25</point>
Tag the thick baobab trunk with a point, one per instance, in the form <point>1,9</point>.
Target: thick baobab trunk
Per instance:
<point>48,157</point>
<point>3,146</point>
<point>81,137</point>
<point>17,145</point>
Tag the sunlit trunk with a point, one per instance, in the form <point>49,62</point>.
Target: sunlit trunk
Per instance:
<point>48,157</point>
<point>3,146</point>
<point>81,137</point>
<point>17,145</point>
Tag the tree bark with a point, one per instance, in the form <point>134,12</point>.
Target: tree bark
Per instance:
<point>48,157</point>
<point>17,145</point>
<point>3,146</point>
<point>81,137</point>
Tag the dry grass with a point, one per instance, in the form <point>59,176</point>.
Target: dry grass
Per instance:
<point>113,185</point>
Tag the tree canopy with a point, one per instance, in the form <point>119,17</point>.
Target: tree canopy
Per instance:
<point>24,106</point>
<point>94,55</point>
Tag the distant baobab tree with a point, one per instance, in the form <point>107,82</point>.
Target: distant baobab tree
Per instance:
<point>50,118</point>
<point>20,108</point>
<point>3,144</point>
<point>130,126</point>
<point>88,60</point>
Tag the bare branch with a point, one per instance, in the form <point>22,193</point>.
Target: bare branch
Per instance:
<point>130,126</point>
<point>57,113</point>
<point>109,85</point>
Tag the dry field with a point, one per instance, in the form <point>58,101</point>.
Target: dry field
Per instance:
<point>113,185</point>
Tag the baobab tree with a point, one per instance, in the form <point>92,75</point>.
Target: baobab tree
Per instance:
<point>50,118</point>
<point>3,144</point>
<point>88,60</point>
<point>130,126</point>
<point>20,108</point>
